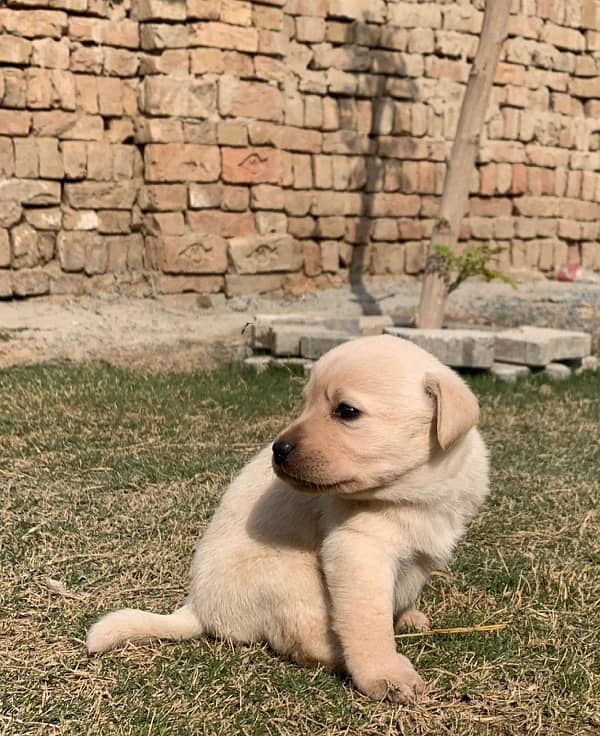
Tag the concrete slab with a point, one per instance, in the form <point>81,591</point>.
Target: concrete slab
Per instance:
<point>509,372</point>
<point>456,348</point>
<point>538,346</point>
<point>316,345</point>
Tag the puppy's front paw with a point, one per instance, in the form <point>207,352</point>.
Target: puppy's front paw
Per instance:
<point>412,619</point>
<point>396,681</point>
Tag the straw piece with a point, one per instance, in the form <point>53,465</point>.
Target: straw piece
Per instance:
<point>458,630</point>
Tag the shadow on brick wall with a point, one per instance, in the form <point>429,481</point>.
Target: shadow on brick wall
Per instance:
<point>383,122</point>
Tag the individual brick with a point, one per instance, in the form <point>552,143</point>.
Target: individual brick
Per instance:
<point>181,162</point>
<point>50,54</point>
<point>250,99</point>
<point>34,282</point>
<point>14,123</point>
<point>24,239</point>
<point>29,192</point>
<point>14,50</point>
<point>257,165</point>
<point>265,253</point>
<point>50,159</point>
<point>33,23</point>
<point>101,195</point>
<point>225,224</point>
<point>266,197</point>
<point>179,97</point>
<point>26,158</point>
<point>194,253</point>
<point>7,157</point>
<point>67,125</point>
<point>224,36</point>
<point>123,33</point>
<point>161,197</point>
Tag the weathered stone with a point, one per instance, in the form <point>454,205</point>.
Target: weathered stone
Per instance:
<point>538,346</point>
<point>557,371</point>
<point>456,348</point>
<point>589,363</point>
<point>508,372</point>
<point>194,253</point>
<point>265,253</point>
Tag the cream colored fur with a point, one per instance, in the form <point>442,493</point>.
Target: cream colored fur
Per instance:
<point>325,558</point>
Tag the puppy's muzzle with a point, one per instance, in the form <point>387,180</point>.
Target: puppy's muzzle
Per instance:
<point>281,450</point>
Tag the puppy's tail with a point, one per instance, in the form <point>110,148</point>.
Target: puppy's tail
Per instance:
<point>131,624</point>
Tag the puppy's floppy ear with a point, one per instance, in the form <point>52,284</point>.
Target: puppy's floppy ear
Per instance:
<point>457,409</point>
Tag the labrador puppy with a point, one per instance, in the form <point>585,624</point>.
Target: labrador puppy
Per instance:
<point>322,543</point>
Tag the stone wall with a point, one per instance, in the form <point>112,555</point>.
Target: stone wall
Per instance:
<point>161,146</point>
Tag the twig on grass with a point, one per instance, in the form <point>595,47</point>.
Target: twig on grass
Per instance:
<point>455,630</point>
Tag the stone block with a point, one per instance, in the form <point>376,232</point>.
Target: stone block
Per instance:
<point>284,340</point>
<point>538,346</point>
<point>264,323</point>
<point>265,253</point>
<point>313,346</point>
<point>508,372</point>
<point>456,348</point>
<point>557,371</point>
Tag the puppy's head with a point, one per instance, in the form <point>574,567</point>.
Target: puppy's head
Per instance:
<point>375,408</point>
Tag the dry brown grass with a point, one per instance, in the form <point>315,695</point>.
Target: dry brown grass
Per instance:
<point>108,478</point>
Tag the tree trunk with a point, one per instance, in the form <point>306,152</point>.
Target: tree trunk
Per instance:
<point>462,159</point>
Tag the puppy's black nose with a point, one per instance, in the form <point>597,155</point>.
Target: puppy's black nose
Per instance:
<point>281,449</point>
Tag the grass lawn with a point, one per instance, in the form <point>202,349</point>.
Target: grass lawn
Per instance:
<point>108,477</point>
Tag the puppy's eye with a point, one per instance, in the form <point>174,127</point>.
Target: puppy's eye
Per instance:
<point>345,411</point>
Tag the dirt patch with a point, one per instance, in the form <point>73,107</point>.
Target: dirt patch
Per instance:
<point>180,333</point>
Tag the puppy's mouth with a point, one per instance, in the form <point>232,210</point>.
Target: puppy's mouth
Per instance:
<point>302,484</point>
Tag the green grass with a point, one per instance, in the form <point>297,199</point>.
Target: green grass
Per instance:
<point>108,477</point>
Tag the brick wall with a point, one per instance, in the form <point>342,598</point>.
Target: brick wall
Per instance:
<point>160,146</point>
